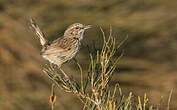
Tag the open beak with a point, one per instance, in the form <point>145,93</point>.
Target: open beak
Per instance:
<point>88,26</point>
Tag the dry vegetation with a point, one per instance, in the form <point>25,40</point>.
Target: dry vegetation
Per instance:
<point>93,89</point>
<point>149,63</point>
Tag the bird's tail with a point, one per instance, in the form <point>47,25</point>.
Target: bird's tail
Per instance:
<point>38,32</point>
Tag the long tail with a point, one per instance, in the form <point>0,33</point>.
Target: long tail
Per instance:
<point>38,32</point>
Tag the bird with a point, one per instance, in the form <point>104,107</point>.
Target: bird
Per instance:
<point>63,48</point>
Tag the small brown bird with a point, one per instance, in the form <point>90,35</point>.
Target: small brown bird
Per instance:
<point>64,48</point>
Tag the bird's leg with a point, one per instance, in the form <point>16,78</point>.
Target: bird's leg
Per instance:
<point>66,76</point>
<point>74,59</point>
<point>68,79</point>
<point>51,65</point>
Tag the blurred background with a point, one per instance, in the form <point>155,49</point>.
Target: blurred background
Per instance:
<point>150,53</point>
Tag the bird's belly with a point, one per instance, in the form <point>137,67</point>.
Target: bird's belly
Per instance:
<point>52,60</point>
<point>61,58</point>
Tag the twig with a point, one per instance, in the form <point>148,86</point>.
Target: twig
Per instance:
<point>139,101</point>
<point>169,99</point>
<point>52,97</point>
<point>96,98</point>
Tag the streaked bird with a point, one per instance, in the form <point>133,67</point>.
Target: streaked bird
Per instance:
<point>65,47</point>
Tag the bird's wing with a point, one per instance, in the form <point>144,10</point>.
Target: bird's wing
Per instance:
<point>60,47</point>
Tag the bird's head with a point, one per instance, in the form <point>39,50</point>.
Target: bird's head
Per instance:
<point>76,30</point>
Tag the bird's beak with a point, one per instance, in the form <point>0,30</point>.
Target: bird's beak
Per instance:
<point>88,26</point>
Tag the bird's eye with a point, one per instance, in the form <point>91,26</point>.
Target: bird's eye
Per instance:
<point>77,27</point>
